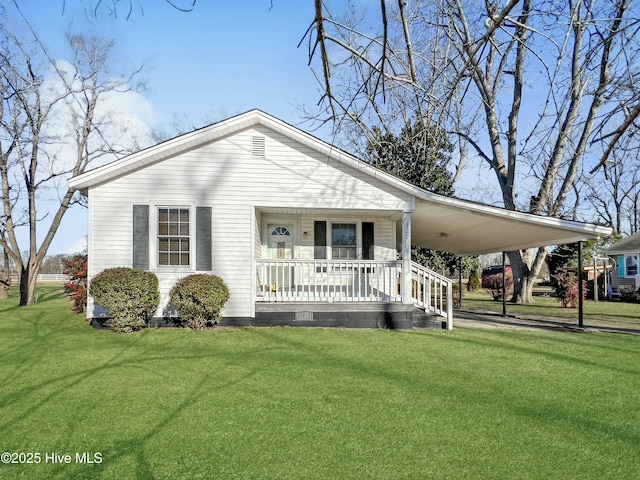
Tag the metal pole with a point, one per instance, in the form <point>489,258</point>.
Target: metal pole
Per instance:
<point>580,285</point>
<point>459,282</point>
<point>504,285</point>
<point>595,278</point>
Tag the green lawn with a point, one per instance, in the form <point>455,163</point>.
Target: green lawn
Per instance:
<point>596,314</point>
<point>302,403</point>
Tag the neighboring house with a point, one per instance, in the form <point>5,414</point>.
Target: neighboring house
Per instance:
<point>626,254</point>
<point>489,275</point>
<point>302,232</point>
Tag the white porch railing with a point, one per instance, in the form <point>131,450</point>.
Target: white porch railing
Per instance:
<point>352,281</point>
<point>432,292</point>
<point>328,281</point>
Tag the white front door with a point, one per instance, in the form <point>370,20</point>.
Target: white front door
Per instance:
<point>280,248</point>
<point>280,241</point>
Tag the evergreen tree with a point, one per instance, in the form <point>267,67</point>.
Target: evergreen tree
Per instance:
<point>419,154</point>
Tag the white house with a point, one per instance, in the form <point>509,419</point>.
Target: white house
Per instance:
<point>302,232</point>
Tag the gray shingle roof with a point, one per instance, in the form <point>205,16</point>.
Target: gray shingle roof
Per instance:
<point>626,245</point>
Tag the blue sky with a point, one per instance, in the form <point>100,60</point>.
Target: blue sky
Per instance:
<point>221,59</point>
<point>223,56</point>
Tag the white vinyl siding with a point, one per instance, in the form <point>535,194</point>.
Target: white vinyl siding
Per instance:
<point>225,176</point>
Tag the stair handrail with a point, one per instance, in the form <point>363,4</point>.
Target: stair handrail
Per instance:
<point>422,293</point>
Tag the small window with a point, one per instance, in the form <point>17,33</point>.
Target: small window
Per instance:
<point>173,237</point>
<point>280,230</point>
<point>631,265</point>
<point>343,241</point>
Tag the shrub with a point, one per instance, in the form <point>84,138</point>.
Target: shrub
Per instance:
<point>76,287</point>
<point>131,296</point>
<point>200,299</point>
<point>567,289</point>
<point>494,284</point>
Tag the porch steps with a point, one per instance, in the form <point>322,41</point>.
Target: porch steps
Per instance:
<point>422,319</point>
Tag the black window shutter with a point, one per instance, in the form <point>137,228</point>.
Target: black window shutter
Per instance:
<point>141,237</point>
<point>367,241</point>
<point>203,239</point>
<point>319,240</point>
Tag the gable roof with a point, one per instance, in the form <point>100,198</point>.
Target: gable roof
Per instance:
<point>626,245</point>
<point>439,222</point>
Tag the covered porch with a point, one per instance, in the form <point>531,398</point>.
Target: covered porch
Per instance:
<point>332,259</point>
<point>318,260</point>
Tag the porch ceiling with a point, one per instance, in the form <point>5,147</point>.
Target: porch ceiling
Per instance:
<point>467,228</point>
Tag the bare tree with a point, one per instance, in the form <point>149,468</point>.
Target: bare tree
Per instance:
<point>128,8</point>
<point>548,81</point>
<point>613,192</point>
<point>49,131</point>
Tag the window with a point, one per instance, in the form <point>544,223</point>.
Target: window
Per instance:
<point>173,236</point>
<point>280,231</point>
<point>631,265</point>
<point>343,241</point>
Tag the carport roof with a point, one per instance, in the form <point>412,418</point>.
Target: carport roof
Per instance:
<point>467,228</point>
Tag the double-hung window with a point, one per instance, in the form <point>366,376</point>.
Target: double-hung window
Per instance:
<point>631,265</point>
<point>343,241</point>
<point>173,237</point>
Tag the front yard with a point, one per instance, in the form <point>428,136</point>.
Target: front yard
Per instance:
<point>313,403</point>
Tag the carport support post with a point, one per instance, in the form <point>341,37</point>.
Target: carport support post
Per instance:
<point>580,286</point>
<point>406,258</point>
<point>504,284</point>
<point>459,282</point>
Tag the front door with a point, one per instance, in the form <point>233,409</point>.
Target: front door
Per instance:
<point>280,248</point>
<point>280,242</point>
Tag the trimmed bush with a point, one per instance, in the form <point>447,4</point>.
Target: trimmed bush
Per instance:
<point>200,299</point>
<point>130,295</point>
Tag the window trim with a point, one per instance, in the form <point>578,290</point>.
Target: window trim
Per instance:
<point>155,240</point>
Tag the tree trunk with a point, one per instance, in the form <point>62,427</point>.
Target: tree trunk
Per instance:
<point>522,283</point>
<point>525,267</point>
<point>28,278</point>
<point>5,275</point>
